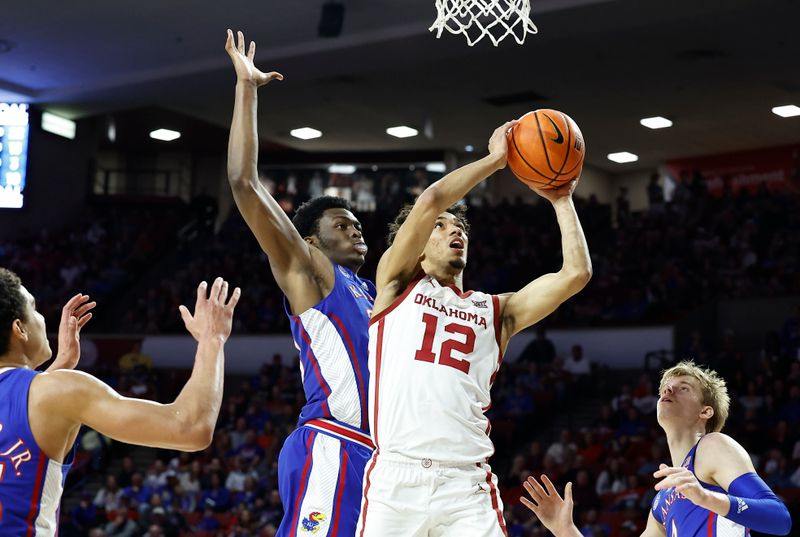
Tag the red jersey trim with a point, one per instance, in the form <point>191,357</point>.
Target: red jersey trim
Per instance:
<point>458,291</point>
<point>378,359</point>
<point>498,332</point>
<point>712,517</point>
<point>315,363</point>
<point>397,301</point>
<point>354,360</point>
<point>340,432</point>
<point>38,487</point>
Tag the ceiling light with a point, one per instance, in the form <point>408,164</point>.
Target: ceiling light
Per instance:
<point>346,169</point>
<point>623,157</point>
<point>165,135</point>
<point>402,132</point>
<point>656,122</point>
<point>436,167</point>
<point>58,125</point>
<point>305,133</point>
<point>469,148</point>
<point>788,110</point>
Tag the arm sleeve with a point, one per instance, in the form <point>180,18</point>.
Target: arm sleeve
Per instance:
<point>755,506</point>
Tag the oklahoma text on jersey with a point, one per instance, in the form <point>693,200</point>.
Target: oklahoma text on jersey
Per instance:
<point>430,302</point>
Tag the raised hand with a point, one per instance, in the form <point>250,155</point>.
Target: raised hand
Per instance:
<point>213,314</point>
<point>498,143</point>
<point>551,510</point>
<point>246,71</point>
<point>74,316</point>
<point>684,481</point>
<point>554,194</point>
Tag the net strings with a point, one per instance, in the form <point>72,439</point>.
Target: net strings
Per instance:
<point>476,19</point>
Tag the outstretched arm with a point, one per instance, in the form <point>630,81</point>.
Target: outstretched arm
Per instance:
<point>399,262</point>
<point>74,397</point>
<point>291,259</point>
<point>749,500</point>
<point>555,513</point>
<point>543,295</point>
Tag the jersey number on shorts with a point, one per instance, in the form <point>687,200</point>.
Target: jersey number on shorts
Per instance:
<point>426,354</point>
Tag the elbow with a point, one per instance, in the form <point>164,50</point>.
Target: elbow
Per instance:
<point>240,179</point>
<point>430,200</point>
<point>578,278</point>
<point>237,181</point>
<point>200,438</point>
<point>194,435</point>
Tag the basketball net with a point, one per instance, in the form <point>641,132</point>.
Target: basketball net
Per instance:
<point>476,19</point>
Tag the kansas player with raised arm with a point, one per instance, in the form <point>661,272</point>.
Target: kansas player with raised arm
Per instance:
<point>315,259</point>
<point>434,354</point>
<point>41,413</point>
<point>711,489</point>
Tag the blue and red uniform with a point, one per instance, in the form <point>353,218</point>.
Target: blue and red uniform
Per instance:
<point>30,483</point>
<point>321,464</point>
<point>682,518</point>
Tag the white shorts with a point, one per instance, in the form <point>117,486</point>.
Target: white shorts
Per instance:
<point>421,498</point>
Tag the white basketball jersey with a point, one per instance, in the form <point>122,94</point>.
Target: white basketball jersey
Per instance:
<point>433,356</point>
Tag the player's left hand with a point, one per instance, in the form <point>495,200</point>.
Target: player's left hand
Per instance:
<point>243,62</point>
<point>684,481</point>
<point>498,143</point>
<point>552,511</point>
<point>74,316</point>
<point>554,194</point>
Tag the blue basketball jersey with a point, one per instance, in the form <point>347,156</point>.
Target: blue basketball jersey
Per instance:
<point>333,341</point>
<point>682,518</point>
<point>30,483</point>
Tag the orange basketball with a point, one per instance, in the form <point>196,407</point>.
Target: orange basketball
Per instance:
<point>545,149</point>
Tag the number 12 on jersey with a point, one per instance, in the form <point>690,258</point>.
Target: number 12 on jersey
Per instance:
<point>426,354</point>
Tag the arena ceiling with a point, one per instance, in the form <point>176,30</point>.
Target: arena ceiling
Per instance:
<point>716,68</point>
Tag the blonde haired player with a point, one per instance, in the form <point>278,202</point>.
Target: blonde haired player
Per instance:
<point>711,489</point>
<point>434,353</point>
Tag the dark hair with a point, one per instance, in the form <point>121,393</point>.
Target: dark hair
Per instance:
<point>12,306</point>
<point>459,211</point>
<point>306,218</point>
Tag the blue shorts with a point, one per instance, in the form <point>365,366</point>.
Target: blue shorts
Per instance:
<point>320,475</point>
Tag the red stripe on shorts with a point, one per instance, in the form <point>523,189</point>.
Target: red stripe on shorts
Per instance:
<point>303,482</point>
<point>337,505</point>
<point>495,503</point>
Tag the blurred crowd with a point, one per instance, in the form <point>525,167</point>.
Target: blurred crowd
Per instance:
<point>649,266</point>
<point>103,253</point>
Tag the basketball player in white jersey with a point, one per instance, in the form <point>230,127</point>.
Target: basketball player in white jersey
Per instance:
<point>434,353</point>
